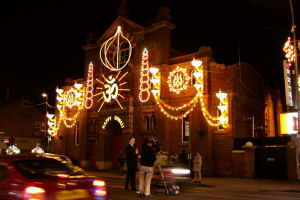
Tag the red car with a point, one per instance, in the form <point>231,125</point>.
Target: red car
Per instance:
<point>38,177</point>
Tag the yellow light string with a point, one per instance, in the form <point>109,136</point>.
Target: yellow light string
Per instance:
<point>89,92</point>
<point>113,44</point>
<point>145,79</point>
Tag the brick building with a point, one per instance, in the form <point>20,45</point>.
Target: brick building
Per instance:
<point>97,138</point>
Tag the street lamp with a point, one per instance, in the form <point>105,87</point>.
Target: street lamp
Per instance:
<point>44,95</point>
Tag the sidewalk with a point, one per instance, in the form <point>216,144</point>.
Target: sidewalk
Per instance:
<point>228,183</point>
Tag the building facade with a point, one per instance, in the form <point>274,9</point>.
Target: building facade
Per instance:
<point>102,132</point>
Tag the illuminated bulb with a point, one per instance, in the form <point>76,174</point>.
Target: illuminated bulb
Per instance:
<point>59,98</point>
<point>50,123</point>
<point>154,81</point>
<point>50,131</point>
<point>221,95</point>
<point>197,74</point>
<point>155,92</point>
<point>154,70</point>
<point>59,91</point>
<point>50,116</point>
<point>197,86</point>
<point>78,85</point>
<point>222,108</point>
<point>59,106</point>
<point>196,63</point>
<point>78,94</point>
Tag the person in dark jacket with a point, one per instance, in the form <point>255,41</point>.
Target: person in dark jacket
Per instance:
<point>148,158</point>
<point>131,161</point>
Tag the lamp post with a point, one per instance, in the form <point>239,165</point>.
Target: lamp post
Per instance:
<point>44,95</point>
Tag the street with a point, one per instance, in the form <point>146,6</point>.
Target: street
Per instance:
<point>211,188</point>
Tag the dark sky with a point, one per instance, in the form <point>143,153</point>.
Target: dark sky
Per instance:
<point>41,40</point>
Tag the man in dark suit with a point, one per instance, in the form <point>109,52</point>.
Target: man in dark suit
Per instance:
<point>131,161</point>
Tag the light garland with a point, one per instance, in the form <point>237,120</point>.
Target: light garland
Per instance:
<point>145,79</point>
<point>289,51</point>
<point>178,80</point>
<point>70,103</point>
<point>114,44</point>
<point>89,91</point>
<point>110,88</point>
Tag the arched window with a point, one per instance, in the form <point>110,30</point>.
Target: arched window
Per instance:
<point>147,120</point>
<point>153,120</point>
<point>193,79</point>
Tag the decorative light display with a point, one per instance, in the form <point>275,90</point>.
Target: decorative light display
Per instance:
<point>145,79</point>
<point>110,88</point>
<point>70,103</point>
<point>289,51</point>
<point>53,124</point>
<point>185,109</point>
<point>115,52</point>
<point>89,91</point>
<point>178,80</point>
<point>109,118</point>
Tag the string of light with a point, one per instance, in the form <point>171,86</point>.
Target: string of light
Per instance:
<point>145,79</point>
<point>89,91</point>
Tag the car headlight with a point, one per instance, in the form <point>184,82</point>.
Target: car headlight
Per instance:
<point>180,171</point>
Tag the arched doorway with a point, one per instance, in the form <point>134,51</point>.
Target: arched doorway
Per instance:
<point>113,142</point>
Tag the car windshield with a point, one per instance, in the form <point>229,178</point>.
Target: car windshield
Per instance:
<point>43,168</point>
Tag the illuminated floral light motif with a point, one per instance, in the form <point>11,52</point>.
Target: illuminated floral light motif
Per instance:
<point>70,103</point>
<point>145,79</point>
<point>289,51</point>
<point>115,52</point>
<point>223,119</point>
<point>110,88</point>
<point>178,80</point>
<point>89,91</point>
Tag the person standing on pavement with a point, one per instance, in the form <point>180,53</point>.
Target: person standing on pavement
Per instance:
<point>148,158</point>
<point>197,167</point>
<point>131,161</point>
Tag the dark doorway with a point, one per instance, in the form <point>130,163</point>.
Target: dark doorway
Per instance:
<point>92,153</point>
<point>113,142</point>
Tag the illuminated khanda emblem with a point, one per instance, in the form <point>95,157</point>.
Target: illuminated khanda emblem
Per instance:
<point>115,52</point>
<point>110,89</point>
<point>178,80</point>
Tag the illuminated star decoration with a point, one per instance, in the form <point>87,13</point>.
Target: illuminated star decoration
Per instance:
<point>178,80</point>
<point>112,52</point>
<point>289,51</point>
<point>145,79</point>
<point>89,91</point>
<point>110,89</point>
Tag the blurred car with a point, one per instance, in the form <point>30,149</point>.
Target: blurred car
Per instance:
<point>172,172</point>
<point>35,176</point>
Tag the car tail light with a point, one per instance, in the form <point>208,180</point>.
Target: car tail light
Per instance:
<point>62,175</point>
<point>34,193</point>
<point>98,183</point>
<point>100,192</point>
<point>180,171</point>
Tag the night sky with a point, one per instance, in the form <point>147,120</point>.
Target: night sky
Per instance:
<point>41,40</point>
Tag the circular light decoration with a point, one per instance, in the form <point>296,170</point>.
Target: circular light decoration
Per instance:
<point>145,79</point>
<point>115,52</point>
<point>178,80</point>
<point>70,103</point>
<point>110,89</point>
<point>89,92</point>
